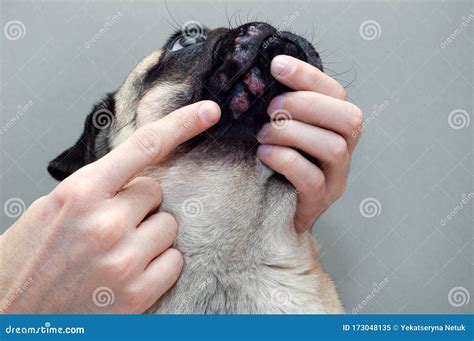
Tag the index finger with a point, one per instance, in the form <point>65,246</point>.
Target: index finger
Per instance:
<point>300,75</point>
<point>152,142</point>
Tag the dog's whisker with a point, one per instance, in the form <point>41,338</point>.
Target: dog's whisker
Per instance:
<point>240,19</point>
<point>229,24</point>
<point>168,11</point>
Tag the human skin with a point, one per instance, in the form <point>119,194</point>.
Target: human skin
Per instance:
<point>322,124</point>
<point>94,232</point>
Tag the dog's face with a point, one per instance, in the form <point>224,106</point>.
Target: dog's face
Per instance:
<point>229,66</point>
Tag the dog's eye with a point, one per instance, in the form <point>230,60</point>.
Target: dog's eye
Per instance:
<point>183,42</point>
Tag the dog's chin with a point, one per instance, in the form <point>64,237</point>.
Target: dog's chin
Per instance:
<point>256,85</point>
<point>242,84</point>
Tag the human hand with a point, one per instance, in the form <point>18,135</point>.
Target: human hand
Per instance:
<point>322,124</point>
<point>92,240</point>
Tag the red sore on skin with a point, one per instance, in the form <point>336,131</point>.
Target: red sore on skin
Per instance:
<point>252,31</point>
<point>239,102</point>
<point>254,82</point>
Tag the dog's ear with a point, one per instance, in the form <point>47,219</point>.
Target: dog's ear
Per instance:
<point>85,150</point>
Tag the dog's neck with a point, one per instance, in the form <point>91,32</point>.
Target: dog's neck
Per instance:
<point>238,238</point>
<point>224,204</point>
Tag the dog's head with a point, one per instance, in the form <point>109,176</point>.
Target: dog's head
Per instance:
<point>229,66</point>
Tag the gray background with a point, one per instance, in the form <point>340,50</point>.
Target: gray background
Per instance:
<point>413,162</point>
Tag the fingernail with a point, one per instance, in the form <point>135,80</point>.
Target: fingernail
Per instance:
<point>276,104</point>
<point>263,132</point>
<point>282,66</point>
<point>264,150</point>
<point>209,112</point>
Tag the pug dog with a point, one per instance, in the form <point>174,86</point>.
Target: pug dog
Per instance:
<point>236,216</point>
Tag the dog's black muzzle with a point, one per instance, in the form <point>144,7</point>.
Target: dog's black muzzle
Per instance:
<point>239,79</point>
